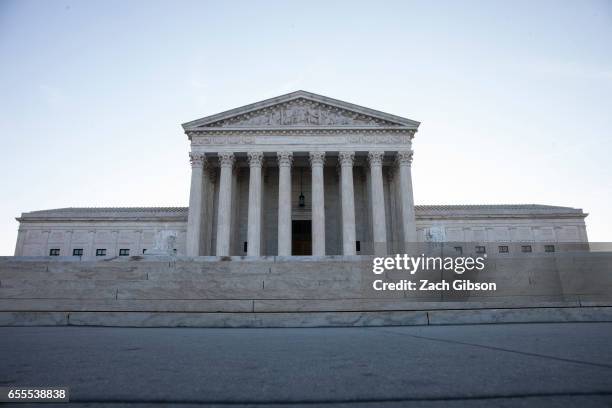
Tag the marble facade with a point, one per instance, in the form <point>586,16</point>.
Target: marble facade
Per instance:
<point>300,174</point>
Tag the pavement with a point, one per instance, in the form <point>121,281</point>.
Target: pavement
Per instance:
<point>562,364</point>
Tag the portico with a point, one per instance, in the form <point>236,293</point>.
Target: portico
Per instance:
<point>300,157</point>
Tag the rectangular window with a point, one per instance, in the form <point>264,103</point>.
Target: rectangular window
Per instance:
<point>77,252</point>
<point>54,252</point>
<point>124,252</point>
<point>459,250</point>
<point>549,248</point>
<point>525,248</point>
<point>503,249</point>
<point>174,250</point>
<point>244,246</point>
<point>100,252</point>
<point>480,249</point>
<point>144,250</point>
<point>358,246</point>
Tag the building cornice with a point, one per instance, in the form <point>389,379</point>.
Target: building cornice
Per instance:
<point>299,131</point>
<point>309,96</point>
<point>423,212</point>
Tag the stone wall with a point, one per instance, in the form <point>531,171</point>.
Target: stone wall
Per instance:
<point>282,284</point>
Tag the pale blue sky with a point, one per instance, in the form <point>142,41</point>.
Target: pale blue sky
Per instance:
<point>515,98</point>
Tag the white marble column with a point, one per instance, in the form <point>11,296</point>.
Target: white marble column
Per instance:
<point>210,179</point>
<point>409,234</point>
<point>224,214</point>
<point>317,161</point>
<point>194,218</point>
<point>348,202</point>
<point>285,159</point>
<point>379,222</point>
<point>254,220</point>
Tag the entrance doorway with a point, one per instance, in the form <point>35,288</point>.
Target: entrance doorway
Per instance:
<point>301,240</point>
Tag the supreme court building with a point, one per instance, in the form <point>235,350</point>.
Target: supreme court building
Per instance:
<point>299,174</point>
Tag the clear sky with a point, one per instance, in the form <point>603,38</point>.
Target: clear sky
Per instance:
<point>515,97</point>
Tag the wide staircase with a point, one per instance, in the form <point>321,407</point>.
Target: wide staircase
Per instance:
<point>271,292</point>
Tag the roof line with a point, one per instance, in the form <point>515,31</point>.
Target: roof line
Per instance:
<point>295,95</point>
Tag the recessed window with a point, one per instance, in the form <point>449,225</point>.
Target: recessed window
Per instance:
<point>54,252</point>
<point>174,250</point>
<point>526,248</point>
<point>77,252</point>
<point>503,249</point>
<point>100,252</point>
<point>245,246</point>
<point>549,248</point>
<point>124,252</point>
<point>459,250</point>
<point>480,249</point>
<point>358,246</point>
<point>144,250</point>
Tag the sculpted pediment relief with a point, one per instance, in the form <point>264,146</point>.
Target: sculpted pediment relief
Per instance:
<point>296,111</point>
<point>301,112</point>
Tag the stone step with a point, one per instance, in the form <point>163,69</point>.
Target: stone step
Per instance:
<point>274,306</point>
<point>308,319</point>
<point>183,270</point>
<point>220,288</point>
<point>117,305</point>
<point>74,274</point>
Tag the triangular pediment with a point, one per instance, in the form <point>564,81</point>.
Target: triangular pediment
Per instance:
<point>300,109</point>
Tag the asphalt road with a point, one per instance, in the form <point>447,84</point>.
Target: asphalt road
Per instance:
<point>480,365</point>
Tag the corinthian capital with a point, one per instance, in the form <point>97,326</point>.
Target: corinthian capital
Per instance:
<point>375,158</point>
<point>317,158</point>
<point>285,159</point>
<point>346,158</point>
<point>197,159</point>
<point>404,157</point>
<point>255,159</point>
<point>226,159</point>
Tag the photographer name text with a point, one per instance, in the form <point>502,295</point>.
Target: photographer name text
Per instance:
<point>412,265</point>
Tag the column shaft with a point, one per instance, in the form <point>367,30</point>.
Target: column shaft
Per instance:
<point>379,222</point>
<point>208,203</point>
<point>224,215</point>
<point>348,202</point>
<point>404,160</point>
<point>254,220</point>
<point>285,160</point>
<point>317,161</point>
<point>194,218</point>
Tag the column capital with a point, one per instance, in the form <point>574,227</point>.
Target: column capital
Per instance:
<point>317,158</point>
<point>285,159</point>
<point>404,157</point>
<point>375,158</point>
<point>227,159</point>
<point>346,158</point>
<point>197,159</point>
<point>255,159</point>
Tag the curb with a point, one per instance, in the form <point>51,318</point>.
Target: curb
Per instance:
<point>309,319</point>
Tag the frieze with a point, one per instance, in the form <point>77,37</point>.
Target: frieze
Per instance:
<point>244,134</point>
<point>380,138</point>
